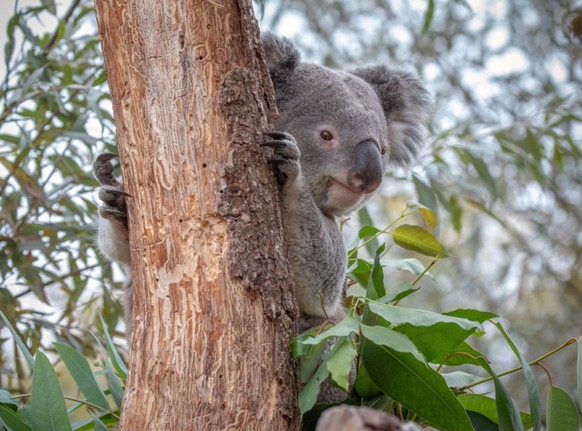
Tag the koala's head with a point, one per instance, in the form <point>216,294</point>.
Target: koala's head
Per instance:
<point>349,126</point>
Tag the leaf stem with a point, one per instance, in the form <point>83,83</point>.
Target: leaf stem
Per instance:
<point>513,370</point>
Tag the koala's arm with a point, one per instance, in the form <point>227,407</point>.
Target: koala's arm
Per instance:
<point>314,242</point>
<point>112,230</point>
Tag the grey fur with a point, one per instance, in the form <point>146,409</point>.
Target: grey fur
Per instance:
<point>371,109</point>
<point>375,117</point>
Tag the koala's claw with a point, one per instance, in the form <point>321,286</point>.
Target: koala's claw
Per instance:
<point>114,206</point>
<point>103,170</point>
<point>285,156</point>
<point>111,213</point>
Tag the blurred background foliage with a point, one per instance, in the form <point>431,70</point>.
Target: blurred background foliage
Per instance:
<point>503,169</point>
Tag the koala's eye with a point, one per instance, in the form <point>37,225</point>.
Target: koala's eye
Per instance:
<point>326,135</point>
<point>383,150</point>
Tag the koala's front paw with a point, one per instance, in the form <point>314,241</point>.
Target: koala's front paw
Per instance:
<point>103,170</point>
<point>113,197</point>
<point>285,156</point>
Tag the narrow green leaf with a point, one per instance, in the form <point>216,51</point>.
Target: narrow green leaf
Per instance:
<point>417,239</point>
<point>507,412</point>
<point>399,315</point>
<point>458,379</point>
<point>82,374</point>
<point>365,219</point>
<point>366,231</point>
<point>396,341</point>
<point>13,420</point>
<point>532,386</point>
<point>5,399</point>
<point>483,172</point>
<point>48,411</point>
<point>400,293</point>
<point>461,355</point>
<point>342,329</point>
<point>428,217</point>
<point>341,362</point>
<point>99,426</point>
<point>579,371</point>
<point>474,315</point>
<point>375,288</point>
<point>112,379</point>
<point>426,196</point>
<point>415,385</point>
<point>412,265</point>
<point>428,16</point>
<point>487,407</point>
<point>19,342</point>
<point>309,392</point>
<point>116,359</point>
<point>364,385</point>
<point>562,412</point>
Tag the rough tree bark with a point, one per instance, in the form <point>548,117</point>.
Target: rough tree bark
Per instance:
<point>213,305</point>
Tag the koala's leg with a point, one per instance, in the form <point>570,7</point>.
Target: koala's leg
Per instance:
<point>314,243</point>
<point>112,231</point>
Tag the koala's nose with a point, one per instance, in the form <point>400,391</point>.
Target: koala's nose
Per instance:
<point>366,173</point>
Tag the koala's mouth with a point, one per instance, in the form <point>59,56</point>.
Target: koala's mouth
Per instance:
<point>341,196</point>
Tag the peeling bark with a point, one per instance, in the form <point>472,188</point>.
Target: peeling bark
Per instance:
<point>214,312</point>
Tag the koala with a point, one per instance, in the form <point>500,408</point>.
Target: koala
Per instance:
<point>336,135</point>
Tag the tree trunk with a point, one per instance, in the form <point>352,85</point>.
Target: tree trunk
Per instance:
<point>213,305</point>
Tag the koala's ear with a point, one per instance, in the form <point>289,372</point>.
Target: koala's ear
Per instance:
<point>281,57</point>
<point>407,106</point>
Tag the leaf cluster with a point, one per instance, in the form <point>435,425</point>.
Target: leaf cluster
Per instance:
<point>418,364</point>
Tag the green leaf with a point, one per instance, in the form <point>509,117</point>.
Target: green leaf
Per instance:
<point>375,288</point>
<point>428,16</point>
<point>507,412</point>
<point>364,385</point>
<point>415,385</point>
<point>426,196</point>
<point>367,231</point>
<point>474,315</point>
<point>13,420</point>
<point>399,315</point>
<point>483,172</point>
<point>400,293</point>
<point>412,265</point>
<point>428,217</point>
<point>436,340</point>
<point>99,426</point>
<point>461,355</point>
<point>116,360</point>
<point>309,392</point>
<point>396,341</point>
<point>579,371</point>
<point>19,342</point>
<point>562,412</point>
<point>341,362</point>
<point>532,386</point>
<point>417,239</point>
<point>82,374</point>
<point>458,379</point>
<point>48,411</point>
<point>5,399</point>
<point>342,329</point>
<point>487,407</point>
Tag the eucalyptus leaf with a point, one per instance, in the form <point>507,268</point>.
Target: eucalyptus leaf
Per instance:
<point>82,374</point>
<point>415,385</point>
<point>562,412</point>
<point>48,411</point>
<point>418,239</point>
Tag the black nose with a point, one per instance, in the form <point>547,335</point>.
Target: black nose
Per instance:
<point>366,173</point>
